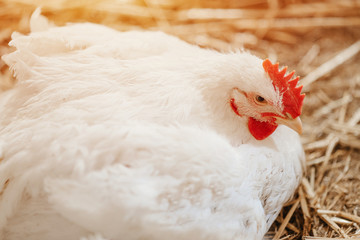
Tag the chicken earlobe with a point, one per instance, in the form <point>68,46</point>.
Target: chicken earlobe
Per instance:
<point>261,130</point>
<point>234,107</point>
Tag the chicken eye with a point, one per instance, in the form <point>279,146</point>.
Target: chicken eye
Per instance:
<point>260,99</point>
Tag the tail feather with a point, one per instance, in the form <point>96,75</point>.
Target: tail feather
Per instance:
<point>38,23</point>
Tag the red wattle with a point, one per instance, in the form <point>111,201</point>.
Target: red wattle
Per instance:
<point>261,130</point>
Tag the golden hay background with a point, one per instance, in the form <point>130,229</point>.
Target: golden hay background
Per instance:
<point>319,38</point>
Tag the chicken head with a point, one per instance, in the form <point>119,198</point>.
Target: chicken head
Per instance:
<point>264,114</point>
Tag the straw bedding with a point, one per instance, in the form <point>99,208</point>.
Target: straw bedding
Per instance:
<point>320,39</point>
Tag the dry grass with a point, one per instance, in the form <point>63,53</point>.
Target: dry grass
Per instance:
<point>320,39</point>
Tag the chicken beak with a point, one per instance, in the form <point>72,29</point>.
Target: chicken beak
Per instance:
<point>294,124</point>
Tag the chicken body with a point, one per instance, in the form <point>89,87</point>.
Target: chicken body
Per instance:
<point>111,135</point>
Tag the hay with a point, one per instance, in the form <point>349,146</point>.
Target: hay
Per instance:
<point>320,39</point>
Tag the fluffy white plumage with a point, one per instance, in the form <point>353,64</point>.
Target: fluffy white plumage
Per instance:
<point>111,135</point>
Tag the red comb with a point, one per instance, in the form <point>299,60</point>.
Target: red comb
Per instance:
<point>292,97</point>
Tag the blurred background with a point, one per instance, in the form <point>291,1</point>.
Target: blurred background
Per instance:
<point>320,39</point>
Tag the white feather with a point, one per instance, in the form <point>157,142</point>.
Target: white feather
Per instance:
<point>111,135</point>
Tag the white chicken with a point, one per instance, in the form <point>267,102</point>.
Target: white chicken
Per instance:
<point>139,135</point>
